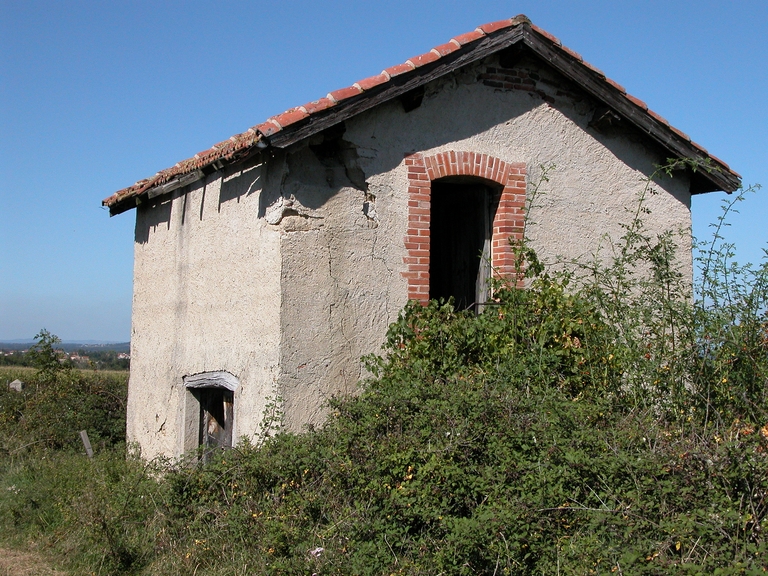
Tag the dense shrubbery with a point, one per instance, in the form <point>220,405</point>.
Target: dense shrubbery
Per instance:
<point>59,401</point>
<point>597,422</point>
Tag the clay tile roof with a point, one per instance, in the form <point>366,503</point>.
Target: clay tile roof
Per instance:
<point>492,27</point>
<point>447,48</point>
<point>468,37</point>
<point>554,39</point>
<point>344,93</point>
<point>290,116</point>
<point>514,30</point>
<point>372,82</point>
<point>399,69</point>
<point>423,59</point>
<point>616,85</point>
<point>318,105</point>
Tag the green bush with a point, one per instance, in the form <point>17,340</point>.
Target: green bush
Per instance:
<point>59,401</point>
<point>598,421</point>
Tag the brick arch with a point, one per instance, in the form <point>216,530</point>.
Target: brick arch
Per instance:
<point>507,222</point>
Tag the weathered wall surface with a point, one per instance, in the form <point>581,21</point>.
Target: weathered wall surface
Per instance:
<point>286,273</point>
<point>206,298</point>
<point>341,285</point>
<point>597,178</point>
<point>341,270</point>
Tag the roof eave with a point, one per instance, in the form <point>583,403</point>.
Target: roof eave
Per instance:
<point>300,123</point>
<point>716,172</point>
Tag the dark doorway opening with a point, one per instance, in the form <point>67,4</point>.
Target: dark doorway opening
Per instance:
<point>461,216</point>
<point>216,417</point>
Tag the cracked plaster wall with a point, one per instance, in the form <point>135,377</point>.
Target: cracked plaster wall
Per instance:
<point>341,281</point>
<point>286,276</point>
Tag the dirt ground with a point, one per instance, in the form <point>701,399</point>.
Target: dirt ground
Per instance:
<point>15,563</point>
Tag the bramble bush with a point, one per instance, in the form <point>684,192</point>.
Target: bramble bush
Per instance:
<point>601,420</point>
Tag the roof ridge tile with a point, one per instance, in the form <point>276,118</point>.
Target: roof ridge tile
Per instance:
<point>492,27</point>
<point>468,37</point>
<point>636,101</point>
<point>546,35</point>
<point>616,85</point>
<point>318,105</point>
<point>399,69</point>
<point>344,93</point>
<point>422,59</point>
<point>572,53</point>
<point>445,49</point>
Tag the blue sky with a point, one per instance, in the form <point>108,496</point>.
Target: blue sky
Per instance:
<point>97,95</point>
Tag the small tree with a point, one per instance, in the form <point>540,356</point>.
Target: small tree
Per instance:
<point>44,356</point>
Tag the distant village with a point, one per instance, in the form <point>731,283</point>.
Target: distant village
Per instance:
<point>93,357</point>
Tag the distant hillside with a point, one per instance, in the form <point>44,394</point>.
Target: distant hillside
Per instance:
<point>70,346</point>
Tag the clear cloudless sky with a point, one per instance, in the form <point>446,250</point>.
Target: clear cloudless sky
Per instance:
<point>96,95</point>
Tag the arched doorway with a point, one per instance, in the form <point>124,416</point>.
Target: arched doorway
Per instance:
<point>461,216</point>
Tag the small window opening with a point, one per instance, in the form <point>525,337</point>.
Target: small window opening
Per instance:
<point>461,217</point>
<point>210,411</point>
<point>216,415</point>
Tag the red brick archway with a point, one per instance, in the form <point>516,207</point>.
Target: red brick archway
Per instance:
<point>508,221</point>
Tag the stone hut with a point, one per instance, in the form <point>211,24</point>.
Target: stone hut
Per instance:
<point>266,266</point>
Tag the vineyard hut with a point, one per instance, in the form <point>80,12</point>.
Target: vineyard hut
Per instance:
<point>267,265</point>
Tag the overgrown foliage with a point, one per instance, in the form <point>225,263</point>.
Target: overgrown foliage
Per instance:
<point>58,401</point>
<point>598,421</point>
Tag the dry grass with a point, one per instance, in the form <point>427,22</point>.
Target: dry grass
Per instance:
<point>10,373</point>
<point>16,563</point>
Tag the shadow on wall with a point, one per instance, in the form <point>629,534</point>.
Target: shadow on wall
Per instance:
<point>315,170</point>
<point>150,215</point>
<point>244,180</point>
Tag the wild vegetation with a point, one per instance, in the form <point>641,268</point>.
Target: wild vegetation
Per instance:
<point>90,358</point>
<point>602,420</point>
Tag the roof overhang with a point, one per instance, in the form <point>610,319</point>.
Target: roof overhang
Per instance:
<point>708,173</point>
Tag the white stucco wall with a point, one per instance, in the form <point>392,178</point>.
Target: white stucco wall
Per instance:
<point>206,298</point>
<point>289,273</point>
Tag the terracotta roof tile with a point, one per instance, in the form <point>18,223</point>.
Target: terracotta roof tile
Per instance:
<point>422,59</point>
<point>716,159</point>
<point>268,128</point>
<point>636,101</point>
<point>227,149</point>
<point>344,93</point>
<point>658,117</point>
<point>700,147</point>
<point>447,48</point>
<point>399,69</point>
<point>594,69</point>
<point>318,105</point>
<point>680,133</point>
<point>290,117</point>
<point>492,27</point>
<point>616,85</point>
<point>468,37</point>
<point>222,144</point>
<point>547,35</point>
<point>372,81</point>
<point>572,53</point>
